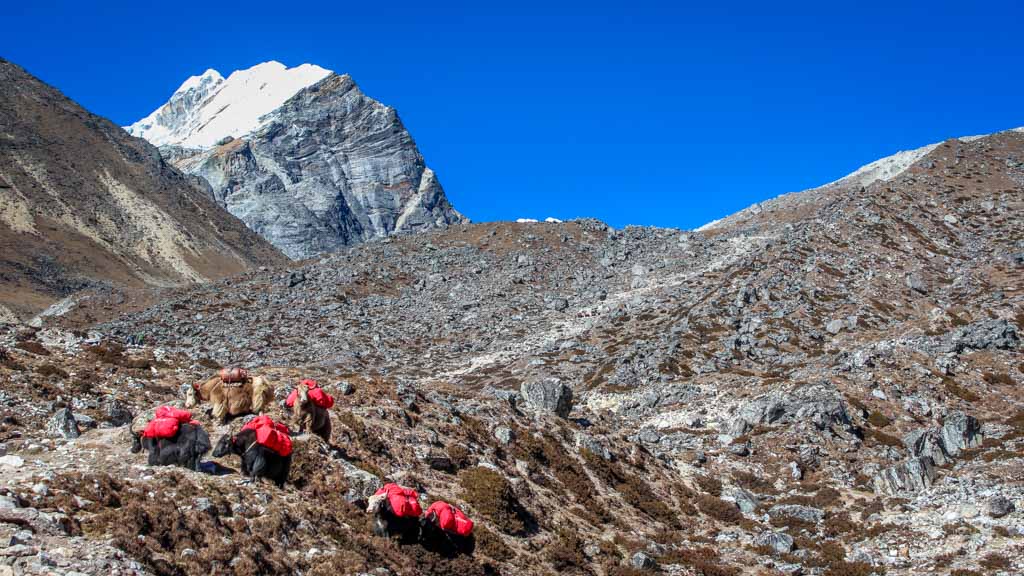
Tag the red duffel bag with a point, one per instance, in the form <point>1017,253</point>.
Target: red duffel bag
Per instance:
<point>451,519</point>
<point>161,428</point>
<point>405,502</point>
<point>229,375</point>
<point>273,435</point>
<point>316,394</point>
<point>178,414</point>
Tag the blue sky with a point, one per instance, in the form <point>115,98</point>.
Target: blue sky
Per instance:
<point>633,112</point>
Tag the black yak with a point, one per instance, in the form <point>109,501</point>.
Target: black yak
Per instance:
<point>258,461</point>
<point>184,449</point>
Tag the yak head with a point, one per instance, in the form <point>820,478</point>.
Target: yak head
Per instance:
<point>224,446</point>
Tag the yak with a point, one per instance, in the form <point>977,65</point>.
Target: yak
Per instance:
<point>184,449</point>
<point>306,413</point>
<point>258,461</point>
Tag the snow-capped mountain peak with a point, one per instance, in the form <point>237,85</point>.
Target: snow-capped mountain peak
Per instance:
<point>208,107</point>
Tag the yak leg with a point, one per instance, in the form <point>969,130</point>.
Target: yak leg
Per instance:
<point>220,411</point>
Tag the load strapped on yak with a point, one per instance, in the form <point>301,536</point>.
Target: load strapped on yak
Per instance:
<point>233,375</point>
<point>166,421</point>
<point>404,502</point>
<point>273,435</point>
<point>316,394</point>
<point>450,519</point>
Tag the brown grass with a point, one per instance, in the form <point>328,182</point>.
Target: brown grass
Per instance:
<point>33,347</point>
<point>490,494</point>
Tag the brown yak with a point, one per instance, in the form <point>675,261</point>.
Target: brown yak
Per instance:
<point>305,413</point>
<point>252,395</point>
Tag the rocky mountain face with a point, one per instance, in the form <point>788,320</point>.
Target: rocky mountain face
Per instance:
<point>825,383</point>
<point>324,168</point>
<point>83,204</point>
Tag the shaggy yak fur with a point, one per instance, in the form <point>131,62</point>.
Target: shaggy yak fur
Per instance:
<point>257,461</point>
<point>305,413</point>
<point>183,449</point>
<point>449,545</point>
<point>387,525</point>
<point>254,395</point>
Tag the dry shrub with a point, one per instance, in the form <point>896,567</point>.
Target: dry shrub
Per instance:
<point>998,378</point>
<point>460,456</point>
<point>490,494</point>
<point>209,363</point>
<point>838,524</point>
<point>49,369</point>
<point>826,497</point>
<point>33,347</point>
<point>994,561</point>
<point>882,438</point>
<point>370,442</point>
<point>965,572</point>
<point>566,553</point>
<point>491,545</point>
<point>753,482</point>
<point>704,561</point>
<point>719,509</point>
<point>1002,531</point>
<point>959,391</point>
<point>632,489</point>
<point>709,484</point>
<point>878,420</point>
<point>547,452</point>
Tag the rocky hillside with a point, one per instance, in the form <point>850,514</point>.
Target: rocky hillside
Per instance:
<point>309,162</point>
<point>825,383</point>
<point>83,204</point>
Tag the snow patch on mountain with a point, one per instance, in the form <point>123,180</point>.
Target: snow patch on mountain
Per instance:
<point>207,108</point>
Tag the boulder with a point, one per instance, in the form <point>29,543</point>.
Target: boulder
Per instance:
<point>361,484</point>
<point>999,506</point>
<point>63,425</point>
<point>547,395</point>
<point>116,412</point>
<point>804,513</point>
<point>926,443</point>
<point>744,500</point>
<point>641,561</point>
<point>960,432</point>
<point>912,475</point>
<point>778,541</point>
<point>984,335</point>
<point>821,405</point>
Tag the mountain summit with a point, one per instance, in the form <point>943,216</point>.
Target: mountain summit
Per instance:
<point>207,108</point>
<point>300,155</point>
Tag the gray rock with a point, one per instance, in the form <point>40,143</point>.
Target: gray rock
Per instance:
<point>296,278</point>
<point>345,388</point>
<point>999,506</point>
<point>912,475</point>
<point>116,412</point>
<point>504,434</point>
<point>744,500</point>
<point>987,334</point>
<point>778,541</point>
<point>361,484</point>
<point>926,443</point>
<point>547,395</point>
<point>835,326</point>
<point>641,561</point>
<point>960,432</point>
<point>63,425</point>
<point>820,405</point>
<point>804,513</point>
<point>916,283</point>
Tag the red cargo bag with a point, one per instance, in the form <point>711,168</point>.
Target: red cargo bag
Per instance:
<point>178,414</point>
<point>451,519</point>
<point>161,428</point>
<point>405,502</point>
<point>316,394</point>
<point>273,435</point>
